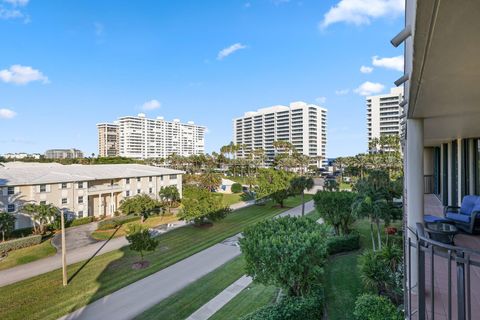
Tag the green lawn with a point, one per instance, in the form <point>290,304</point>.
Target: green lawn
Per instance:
<point>250,299</point>
<point>188,300</point>
<point>26,255</point>
<point>33,298</point>
<point>229,199</point>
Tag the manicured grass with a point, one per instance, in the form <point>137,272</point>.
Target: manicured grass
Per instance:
<point>149,223</point>
<point>249,300</point>
<point>26,255</point>
<point>229,199</point>
<point>188,300</point>
<point>43,297</point>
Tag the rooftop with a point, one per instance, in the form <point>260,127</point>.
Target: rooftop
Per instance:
<point>17,173</point>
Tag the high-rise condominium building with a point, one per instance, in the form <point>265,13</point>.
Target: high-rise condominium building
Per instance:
<point>142,138</point>
<point>108,140</point>
<point>63,154</point>
<point>303,125</point>
<point>383,114</point>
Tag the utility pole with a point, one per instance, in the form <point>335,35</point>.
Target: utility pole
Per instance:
<point>64,251</point>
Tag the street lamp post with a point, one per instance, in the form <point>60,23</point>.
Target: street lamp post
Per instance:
<point>64,251</point>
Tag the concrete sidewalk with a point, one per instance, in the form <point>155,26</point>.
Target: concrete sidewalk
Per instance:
<point>138,297</point>
<point>78,253</point>
<point>224,297</point>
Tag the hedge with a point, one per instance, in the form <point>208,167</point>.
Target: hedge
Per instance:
<point>23,232</point>
<point>81,221</point>
<point>237,188</point>
<point>290,308</point>
<point>20,243</point>
<point>373,307</point>
<point>344,243</point>
<point>116,222</point>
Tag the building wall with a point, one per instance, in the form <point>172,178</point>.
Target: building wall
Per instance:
<point>143,138</point>
<point>303,125</point>
<point>383,114</point>
<point>112,193</point>
<point>108,140</point>
<point>63,154</point>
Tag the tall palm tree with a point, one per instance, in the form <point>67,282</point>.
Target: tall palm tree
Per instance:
<point>299,185</point>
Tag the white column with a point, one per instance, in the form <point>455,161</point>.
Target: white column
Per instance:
<point>449,173</point>
<point>414,183</point>
<point>100,204</point>
<point>459,170</point>
<point>111,203</point>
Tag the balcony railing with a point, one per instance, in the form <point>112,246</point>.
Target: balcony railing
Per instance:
<point>105,188</point>
<point>444,274</point>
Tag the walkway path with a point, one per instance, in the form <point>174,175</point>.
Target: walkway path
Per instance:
<point>133,299</point>
<point>217,303</point>
<point>76,252</point>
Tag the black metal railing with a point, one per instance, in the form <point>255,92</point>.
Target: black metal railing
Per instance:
<point>462,260</point>
<point>428,184</point>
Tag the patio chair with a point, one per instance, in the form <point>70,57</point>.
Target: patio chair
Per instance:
<point>466,217</point>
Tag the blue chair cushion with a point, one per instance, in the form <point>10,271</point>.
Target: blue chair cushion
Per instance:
<point>458,217</point>
<point>431,219</point>
<point>468,203</point>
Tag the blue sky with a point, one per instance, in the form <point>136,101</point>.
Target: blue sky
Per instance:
<point>67,65</point>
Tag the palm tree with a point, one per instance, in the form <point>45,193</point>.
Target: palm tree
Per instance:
<point>7,223</point>
<point>298,186</point>
<point>41,215</point>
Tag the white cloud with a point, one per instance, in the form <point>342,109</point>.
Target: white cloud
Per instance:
<point>19,74</point>
<point>360,12</point>
<point>321,100</point>
<point>394,63</point>
<point>365,69</point>
<point>229,50</point>
<point>247,5</point>
<point>19,3</point>
<point>342,92</point>
<point>368,88</point>
<point>7,114</point>
<point>151,105</point>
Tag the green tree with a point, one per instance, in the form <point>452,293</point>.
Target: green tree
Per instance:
<point>141,205</point>
<point>201,206</point>
<point>7,224</point>
<point>298,185</point>
<point>286,252</point>
<point>41,215</point>
<point>373,307</point>
<point>141,240</point>
<point>330,185</point>
<point>273,184</point>
<point>210,180</point>
<point>374,200</point>
<point>169,195</point>
<point>336,209</point>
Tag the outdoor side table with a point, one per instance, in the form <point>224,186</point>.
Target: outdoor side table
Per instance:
<point>441,231</point>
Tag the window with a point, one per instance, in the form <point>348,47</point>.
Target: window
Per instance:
<point>150,179</point>
<point>64,185</point>
<point>43,188</point>
<point>10,190</point>
<point>161,178</point>
<point>173,177</point>
<point>80,199</point>
<point>80,214</point>
<point>127,181</point>
<point>80,185</point>
<point>11,208</point>
<point>139,191</point>
<point>127,193</point>
<point>139,179</point>
<point>43,202</point>
<point>150,190</point>
<point>64,200</point>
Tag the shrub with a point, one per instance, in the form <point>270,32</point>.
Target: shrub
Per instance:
<point>116,222</point>
<point>336,209</point>
<point>20,243</point>
<point>338,244</point>
<point>237,188</point>
<point>373,307</point>
<point>81,221</point>
<point>291,308</point>
<point>23,232</point>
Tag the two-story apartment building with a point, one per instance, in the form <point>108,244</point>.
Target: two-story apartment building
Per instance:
<point>81,190</point>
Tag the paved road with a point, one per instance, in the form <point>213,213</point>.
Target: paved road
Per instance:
<point>134,299</point>
<point>80,247</point>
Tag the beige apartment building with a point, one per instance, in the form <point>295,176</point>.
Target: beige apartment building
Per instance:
<point>80,190</point>
<point>108,140</point>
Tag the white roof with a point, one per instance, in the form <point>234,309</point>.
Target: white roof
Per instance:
<point>36,173</point>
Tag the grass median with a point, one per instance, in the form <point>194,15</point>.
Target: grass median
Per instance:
<point>27,255</point>
<point>43,297</point>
